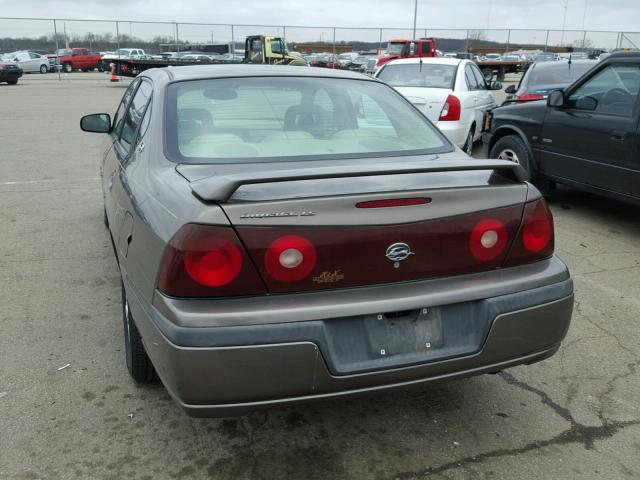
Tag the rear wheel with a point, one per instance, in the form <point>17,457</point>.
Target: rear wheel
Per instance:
<point>12,82</point>
<point>44,68</point>
<point>67,67</point>
<point>488,74</point>
<point>468,144</point>
<point>513,149</point>
<point>138,363</point>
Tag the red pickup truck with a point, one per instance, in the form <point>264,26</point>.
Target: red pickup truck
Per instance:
<point>421,47</point>
<point>78,59</point>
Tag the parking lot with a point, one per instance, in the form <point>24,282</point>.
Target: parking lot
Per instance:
<point>70,410</point>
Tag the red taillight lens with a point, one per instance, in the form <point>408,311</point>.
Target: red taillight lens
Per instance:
<point>203,260</point>
<point>529,96</point>
<point>537,231</point>
<point>213,262</point>
<point>488,239</point>
<point>290,258</point>
<point>535,240</point>
<point>451,110</point>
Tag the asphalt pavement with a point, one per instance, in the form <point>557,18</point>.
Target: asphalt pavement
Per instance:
<point>68,409</point>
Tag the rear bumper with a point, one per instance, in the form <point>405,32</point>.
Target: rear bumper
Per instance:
<point>456,132</point>
<point>221,371</point>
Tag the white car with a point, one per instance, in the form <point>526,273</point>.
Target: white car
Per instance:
<point>29,61</point>
<point>452,93</point>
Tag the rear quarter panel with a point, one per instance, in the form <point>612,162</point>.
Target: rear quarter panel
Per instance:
<point>159,201</point>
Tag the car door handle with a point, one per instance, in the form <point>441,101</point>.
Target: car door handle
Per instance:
<point>618,136</point>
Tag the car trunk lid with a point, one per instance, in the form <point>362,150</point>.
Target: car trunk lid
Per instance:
<point>310,229</point>
<point>429,101</point>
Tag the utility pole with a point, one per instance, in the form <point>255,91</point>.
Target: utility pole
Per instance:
<point>584,15</point>
<point>415,18</point>
<point>584,22</point>
<point>66,39</point>
<point>564,23</point>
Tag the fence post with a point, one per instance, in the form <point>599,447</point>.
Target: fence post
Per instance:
<point>380,42</point>
<point>177,37</point>
<point>55,65</point>
<point>584,40</point>
<point>334,43</point>
<point>425,33</point>
<point>546,42</point>
<point>508,40</point>
<point>466,42</point>
<point>284,36</point>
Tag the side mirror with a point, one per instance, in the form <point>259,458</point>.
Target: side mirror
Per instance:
<point>511,89</point>
<point>496,86</point>
<point>556,99</point>
<point>96,123</point>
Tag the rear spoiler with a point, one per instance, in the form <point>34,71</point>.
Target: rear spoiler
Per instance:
<point>221,188</point>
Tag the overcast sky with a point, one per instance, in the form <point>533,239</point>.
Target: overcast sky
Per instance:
<point>601,14</point>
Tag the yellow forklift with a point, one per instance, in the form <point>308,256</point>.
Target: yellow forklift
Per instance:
<point>270,50</point>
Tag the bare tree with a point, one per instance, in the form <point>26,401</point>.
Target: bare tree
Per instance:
<point>478,35</point>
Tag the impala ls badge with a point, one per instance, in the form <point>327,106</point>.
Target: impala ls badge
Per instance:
<point>398,252</point>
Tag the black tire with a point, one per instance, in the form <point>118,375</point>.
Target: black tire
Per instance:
<point>513,149</point>
<point>468,144</point>
<point>138,363</point>
<point>44,68</point>
<point>67,67</point>
<point>12,82</point>
<point>100,67</point>
<point>487,73</point>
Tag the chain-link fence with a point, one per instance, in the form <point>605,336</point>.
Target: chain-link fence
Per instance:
<point>47,36</point>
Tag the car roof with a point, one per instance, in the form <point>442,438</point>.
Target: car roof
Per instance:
<point>194,72</point>
<point>624,55</point>
<point>434,60</point>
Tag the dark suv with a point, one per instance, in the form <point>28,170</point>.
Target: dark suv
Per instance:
<point>10,72</point>
<point>586,135</point>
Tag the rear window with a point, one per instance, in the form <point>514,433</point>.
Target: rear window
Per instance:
<point>557,74</point>
<point>293,118</point>
<point>419,75</point>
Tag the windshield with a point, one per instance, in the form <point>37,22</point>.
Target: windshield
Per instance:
<point>296,118</point>
<point>64,51</point>
<point>395,48</point>
<point>429,75</point>
<point>557,74</point>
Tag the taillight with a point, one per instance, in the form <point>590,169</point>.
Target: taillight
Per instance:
<point>488,239</point>
<point>451,110</point>
<point>528,97</point>
<point>535,239</point>
<point>203,260</point>
<point>290,258</point>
